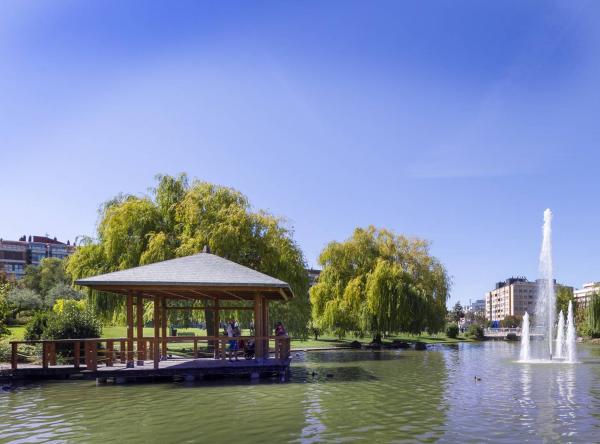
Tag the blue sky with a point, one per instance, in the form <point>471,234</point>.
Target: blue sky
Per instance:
<point>456,121</point>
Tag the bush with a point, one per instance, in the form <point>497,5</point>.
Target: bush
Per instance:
<point>452,331</point>
<point>71,322</point>
<point>37,325</point>
<point>475,331</point>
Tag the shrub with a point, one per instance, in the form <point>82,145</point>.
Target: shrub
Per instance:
<point>452,331</point>
<point>475,331</point>
<point>512,337</point>
<point>36,326</point>
<point>72,321</point>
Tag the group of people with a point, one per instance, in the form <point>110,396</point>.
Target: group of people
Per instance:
<point>233,331</point>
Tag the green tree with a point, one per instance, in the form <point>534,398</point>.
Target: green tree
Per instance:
<point>593,316</point>
<point>563,296</point>
<point>179,218</point>
<point>42,278</point>
<point>511,322</point>
<point>62,291</point>
<point>378,282</point>
<point>457,312</point>
<point>5,312</point>
<point>23,299</point>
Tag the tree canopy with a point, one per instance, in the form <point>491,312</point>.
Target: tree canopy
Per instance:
<point>179,218</point>
<point>44,277</point>
<point>379,282</point>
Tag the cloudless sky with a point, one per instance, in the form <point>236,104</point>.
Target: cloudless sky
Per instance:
<point>455,121</point>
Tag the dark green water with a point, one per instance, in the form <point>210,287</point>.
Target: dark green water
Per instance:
<point>353,396</point>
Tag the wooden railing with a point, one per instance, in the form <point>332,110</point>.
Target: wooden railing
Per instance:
<point>111,350</point>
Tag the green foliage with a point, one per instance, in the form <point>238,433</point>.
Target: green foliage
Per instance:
<point>5,312</point>
<point>593,317</point>
<point>25,352</point>
<point>62,291</point>
<point>457,312</point>
<point>37,325</point>
<point>511,322</point>
<point>179,219</point>
<point>44,277</point>
<point>563,296</point>
<point>452,331</point>
<point>23,299</point>
<point>72,322</point>
<point>475,331</point>
<point>379,282</point>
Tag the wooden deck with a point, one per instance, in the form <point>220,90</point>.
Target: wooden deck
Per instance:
<point>188,369</point>
<point>112,358</point>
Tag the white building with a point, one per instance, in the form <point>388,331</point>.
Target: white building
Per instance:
<point>583,295</point>
<point>512,297</point>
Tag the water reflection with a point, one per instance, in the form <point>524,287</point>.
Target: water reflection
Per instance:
<point>469,393</point>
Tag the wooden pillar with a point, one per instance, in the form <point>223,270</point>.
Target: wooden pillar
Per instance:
<point>139,315</point>
<point>123,351</point>
<point>129,330</point>
<point>266,329</point>
<point>163,318</point>
<point>52,353</point>
<point>216,329</point>
<point>155,342</point>
<point>44,354</point>
<point>14,356</point>
<point>258,326</point>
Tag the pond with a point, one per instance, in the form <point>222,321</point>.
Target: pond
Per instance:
<point>333,396</point>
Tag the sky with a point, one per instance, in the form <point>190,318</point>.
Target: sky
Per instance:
<point>450,120</point>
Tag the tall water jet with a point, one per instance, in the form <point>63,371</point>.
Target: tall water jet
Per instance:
<point>559,349</point>
<point>525,353</point>
<point>546,300</point>
<point>571,336</point>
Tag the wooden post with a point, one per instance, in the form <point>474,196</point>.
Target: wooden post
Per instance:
<point>76,354</point>
<point>91,355</point>
<point>44,355</point>
<point>266,332</point>
<point>129,330</point>
<point>195,348</point>
<point>52,353</point>
<point>123,352</point>
<point>150,351</point>
<point>217,329</point>
<point>163,318</point>
<point>156,321</point>
<point>141,345</point>
<point>14,356</point>
<point>258,327</point>
<point>109,353</point>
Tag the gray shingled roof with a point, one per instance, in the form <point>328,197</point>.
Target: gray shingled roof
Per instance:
<point>202,269</point>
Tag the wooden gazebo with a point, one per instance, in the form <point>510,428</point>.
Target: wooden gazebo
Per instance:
<point>201,277</point>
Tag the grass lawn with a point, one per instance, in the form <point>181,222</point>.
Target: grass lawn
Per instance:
<point>16,333</point>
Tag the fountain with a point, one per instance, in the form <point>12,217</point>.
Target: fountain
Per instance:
<point>563,350</point>
<point>560,337</point>
<point>525,353</point>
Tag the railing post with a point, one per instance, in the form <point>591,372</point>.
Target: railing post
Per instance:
<point>195,348</point>
<point>223,349</point>
<point>44,355</point>
<point>109,353</point>
<point>91,348</point>
<point>52,353</point>
<point>122,352</point>
<point>14,356</point>
<point>76,353</point>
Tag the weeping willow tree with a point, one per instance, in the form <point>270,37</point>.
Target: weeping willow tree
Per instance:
<point>593,316</point>
<point>179,218</point>
<point>377,282</point>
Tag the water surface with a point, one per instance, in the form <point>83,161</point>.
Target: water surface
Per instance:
<point>341,396</point>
